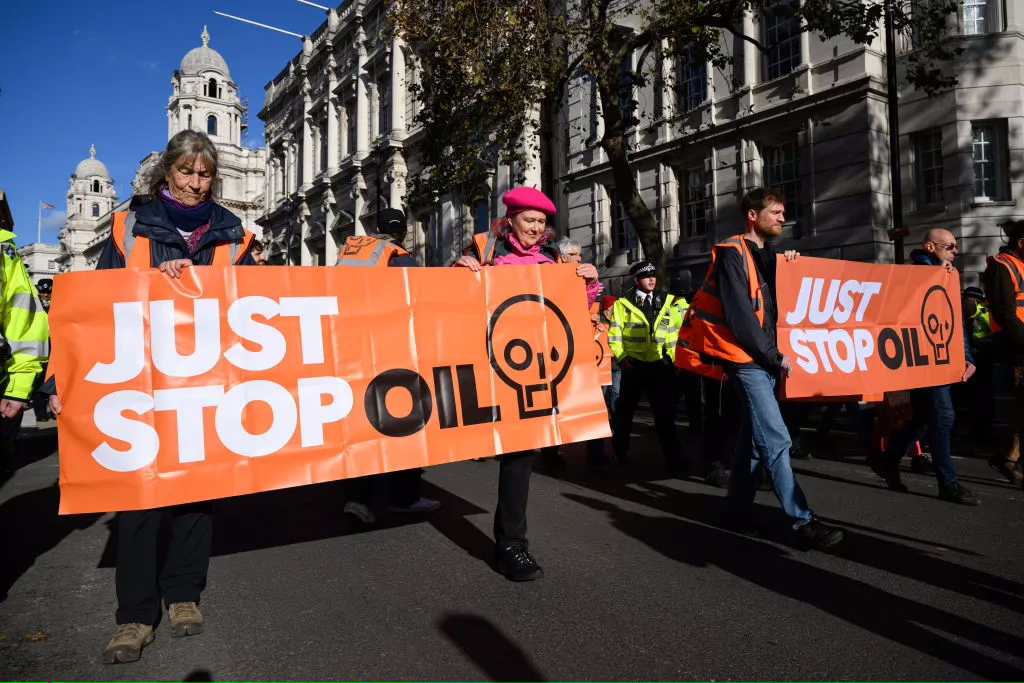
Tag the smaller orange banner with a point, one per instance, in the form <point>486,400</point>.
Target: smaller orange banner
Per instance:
<point>860,328</point>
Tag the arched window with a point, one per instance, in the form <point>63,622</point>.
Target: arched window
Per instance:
<point>95,186</point>
<point>95,210</point>
<point>211,124</point>
<point>212,88</point>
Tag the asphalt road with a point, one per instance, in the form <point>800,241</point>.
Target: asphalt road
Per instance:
<point>641,584</point>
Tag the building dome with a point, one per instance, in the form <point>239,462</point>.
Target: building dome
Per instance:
<point>202,58</point>
<point>91,166</point>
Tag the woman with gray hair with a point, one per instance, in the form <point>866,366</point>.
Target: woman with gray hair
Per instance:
<point>176,225</point>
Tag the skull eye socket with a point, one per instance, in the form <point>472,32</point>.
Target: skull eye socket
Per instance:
<point>527,354</point>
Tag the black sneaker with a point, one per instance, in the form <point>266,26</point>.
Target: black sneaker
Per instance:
<point>817,536</point>
<point>955,493</point>
<point>888,473</point>
<point>797,453</point>
<point>717,475</point>
<point>515,563</point>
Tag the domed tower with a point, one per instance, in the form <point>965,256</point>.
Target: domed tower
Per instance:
<point>91,198</point>
<point>205,98</point>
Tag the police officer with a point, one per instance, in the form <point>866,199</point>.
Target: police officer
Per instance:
<point>24,338</point>
<point>643,321</point>
<point>382,250</point>
<point>40,400</point>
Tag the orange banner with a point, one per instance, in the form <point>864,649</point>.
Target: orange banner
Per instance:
<point>860,328</point>
<point>238,380</point>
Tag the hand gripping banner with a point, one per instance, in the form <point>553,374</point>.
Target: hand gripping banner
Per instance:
<point>238,380</point>
<point>859,328</point>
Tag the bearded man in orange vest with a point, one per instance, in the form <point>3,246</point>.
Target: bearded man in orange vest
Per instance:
<point>734,327</point>
<point>1004,287</point>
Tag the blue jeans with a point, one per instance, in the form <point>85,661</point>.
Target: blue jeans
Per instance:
<point>933,412</point>
<point>762,427</point>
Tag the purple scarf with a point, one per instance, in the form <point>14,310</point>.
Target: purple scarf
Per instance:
<point>194,220</point>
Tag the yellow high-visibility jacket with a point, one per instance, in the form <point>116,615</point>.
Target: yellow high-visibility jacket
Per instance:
<point>630,335</point>
<point>25,326</point>
<point>670,334</point>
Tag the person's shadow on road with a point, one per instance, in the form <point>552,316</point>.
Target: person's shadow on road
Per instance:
<point>891,616</point>
<point>29,527</point>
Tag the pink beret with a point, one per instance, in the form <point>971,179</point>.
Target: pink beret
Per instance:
<point>527,198</point>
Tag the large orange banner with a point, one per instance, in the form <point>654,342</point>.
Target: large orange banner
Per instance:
<point>859,328</point>
<point>238,380</point>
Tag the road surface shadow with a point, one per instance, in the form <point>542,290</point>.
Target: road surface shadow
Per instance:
<point>921,627</point>
<point>29,527</point>
<point>488,648</point>
<point>313,513</point>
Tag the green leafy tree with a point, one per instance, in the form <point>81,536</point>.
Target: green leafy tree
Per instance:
<point>490,71</point>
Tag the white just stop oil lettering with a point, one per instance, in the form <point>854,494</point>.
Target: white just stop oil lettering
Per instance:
<point>130,360</point>
<point>847,350</point>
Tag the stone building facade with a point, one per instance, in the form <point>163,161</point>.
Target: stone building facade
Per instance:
<point>341,140</point>
<point>203,98</point>
<point>810,117</point>
<point>40,260</point>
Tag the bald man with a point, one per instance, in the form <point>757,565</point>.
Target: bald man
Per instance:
<point>933,406</point>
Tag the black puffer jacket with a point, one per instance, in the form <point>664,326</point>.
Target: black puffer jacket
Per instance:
<point>166,243</point>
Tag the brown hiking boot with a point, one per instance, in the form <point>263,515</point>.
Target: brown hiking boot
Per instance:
<point>186,619</point>
<point>1010,469</point>
<point>128,643</point>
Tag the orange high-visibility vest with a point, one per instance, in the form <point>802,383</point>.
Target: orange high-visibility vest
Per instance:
<point>686,357</point>
<point>707,334</point>
<point>368,250</point>
<point>136,249</point>
<point>1016,269</point>
<point>485,244</point>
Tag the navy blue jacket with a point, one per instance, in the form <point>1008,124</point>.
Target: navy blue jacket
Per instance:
<point>166,243</point>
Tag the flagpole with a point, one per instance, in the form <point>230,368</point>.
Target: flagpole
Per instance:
<point>39,225</point>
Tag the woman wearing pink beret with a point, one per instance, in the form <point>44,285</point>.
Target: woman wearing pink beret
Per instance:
<point>521,237</point>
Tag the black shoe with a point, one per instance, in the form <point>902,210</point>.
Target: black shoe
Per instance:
<point>921,464</point>
<point>717,475</point>
<point>817,536</point>
<point>889,474</point>
<point>797,453</point>
<point>955,493</point>
<point>515,563</point>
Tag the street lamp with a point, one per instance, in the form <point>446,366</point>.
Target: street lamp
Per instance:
<point>898,231</point>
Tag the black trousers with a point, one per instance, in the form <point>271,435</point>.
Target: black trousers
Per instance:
<point>403,487</point>
<point>9,428</point>
<point>658,381</point>
<point>141,580</point>
<point>722,412</point>
<point>513,495</point>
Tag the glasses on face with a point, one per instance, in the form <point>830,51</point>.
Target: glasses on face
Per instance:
<point>947,247</point>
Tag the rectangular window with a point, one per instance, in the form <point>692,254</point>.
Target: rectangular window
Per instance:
<point>623,235</point>
<point>695,201</point>
<point>928,158</point>
<point>350,122</point>
<point>692,77</point>
<point>782,36</point>
<point>988,152</point>
<point>782,172</point>
<point>384,107</point>
<point>976,17</point>
<point>51,265</point>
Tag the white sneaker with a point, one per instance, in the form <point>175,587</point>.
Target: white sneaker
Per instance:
<point>421,505</point>
<point>361,512</point>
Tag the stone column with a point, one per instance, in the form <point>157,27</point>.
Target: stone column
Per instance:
<point>332,121</point>
<point>307,150</point>
<point>751,57</point>
<point>398,88</point>
<point>362,105</point>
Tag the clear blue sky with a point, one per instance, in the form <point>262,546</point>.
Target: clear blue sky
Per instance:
<point>76,73</point>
